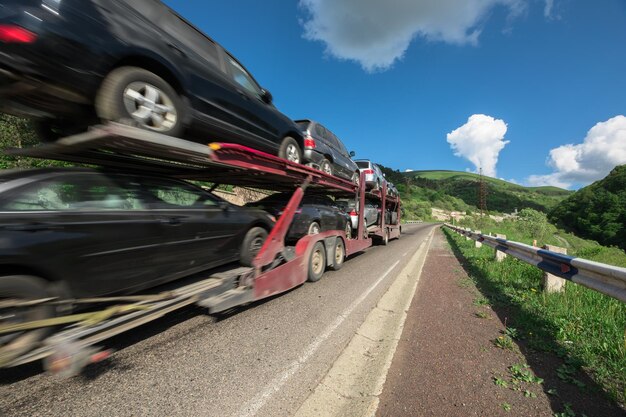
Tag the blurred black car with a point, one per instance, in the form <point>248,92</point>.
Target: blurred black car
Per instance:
<point>69,63</point>
<point>87,232</point>
<point>317,213</point>
<point>326,151</point>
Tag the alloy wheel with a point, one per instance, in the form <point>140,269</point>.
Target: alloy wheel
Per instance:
<point>150,106</point>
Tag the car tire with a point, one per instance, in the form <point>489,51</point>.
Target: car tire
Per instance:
<point>339,254</point>
<point>394,218</point>
<point>26,287</point>
<point>252,243</point>
<point>348,230</point>
<point>290,150</point>
<point>139,97</point>
<point>326,167</point>
<point>314,228</point>
<point>356,178</point>
<point>365,233</point>
<point>317,262</point>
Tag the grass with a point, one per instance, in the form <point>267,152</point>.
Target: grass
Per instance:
<point>582,326</point>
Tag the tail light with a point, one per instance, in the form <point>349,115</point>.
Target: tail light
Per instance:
<point>353,213</point>
<point>309,142</point>
<point>368,171</point>
<point>16,34</point>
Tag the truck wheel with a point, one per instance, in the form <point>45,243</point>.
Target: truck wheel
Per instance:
<point>317,262</point>
<point>143,97</point>
<point>385,239</point>
<point>252,243</point>
<point>22,287</point>
<point>290,150</point>
<point>339,254</point>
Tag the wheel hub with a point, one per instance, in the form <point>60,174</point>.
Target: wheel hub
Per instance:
<point>149,106</point>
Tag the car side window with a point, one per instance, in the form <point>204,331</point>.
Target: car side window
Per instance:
<point>150,9</point>
<point>320,131</point>
<point>193,39</point>
<point>177,195</point>
<point>241,77</point>
<point>70,193</point>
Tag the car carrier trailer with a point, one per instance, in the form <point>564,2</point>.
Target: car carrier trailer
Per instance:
<point>276,268</point>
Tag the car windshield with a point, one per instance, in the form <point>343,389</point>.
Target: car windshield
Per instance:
<point>363,164</point>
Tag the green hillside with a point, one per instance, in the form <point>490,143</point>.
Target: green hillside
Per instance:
<point>502,196</point>
<point>597,211</point>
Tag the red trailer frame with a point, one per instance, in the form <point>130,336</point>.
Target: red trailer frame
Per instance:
<point>276,269</point>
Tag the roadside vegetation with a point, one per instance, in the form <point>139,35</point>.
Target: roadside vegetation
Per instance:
<point>19,133</point>
<point>597,211</point>
<point>502,196</point>
<point>583,327</point>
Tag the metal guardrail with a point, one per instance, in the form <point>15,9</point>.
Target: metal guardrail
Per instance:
<point>413,221</point>
<point>607,279</point>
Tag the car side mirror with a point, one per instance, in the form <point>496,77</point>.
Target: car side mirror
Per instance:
<point>352,154</point>
<point>223,205</point>
<point>266,96</point>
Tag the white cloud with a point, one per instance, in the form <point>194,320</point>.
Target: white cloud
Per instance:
<point>408,170</point>
<point>603,149</point>
<point>376,33</point>
<point>547,10</point>
<point>480,141</point>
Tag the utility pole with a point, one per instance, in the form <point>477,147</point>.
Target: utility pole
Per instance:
<point>482,194</point>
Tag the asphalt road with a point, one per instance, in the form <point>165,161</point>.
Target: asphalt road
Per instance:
<point>263,360</point>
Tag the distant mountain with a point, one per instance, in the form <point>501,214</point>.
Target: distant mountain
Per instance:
<point>502,196</point>
<point>597,211</point>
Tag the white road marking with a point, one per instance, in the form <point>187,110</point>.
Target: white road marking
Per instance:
<point>254,405</point>
<point>405,253</point>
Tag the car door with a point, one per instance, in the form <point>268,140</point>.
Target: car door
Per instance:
<point>259,118</point>
<point>328,214</point>
<point>86,230</point>
<point>342,158</point>
<point>198,231</point>
<point>207,81</point>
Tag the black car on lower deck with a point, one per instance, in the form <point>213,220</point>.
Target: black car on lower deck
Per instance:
<point>69,63</point>
<point>317,213</point>
<point>87,232</point>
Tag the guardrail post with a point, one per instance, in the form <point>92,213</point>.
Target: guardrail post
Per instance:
<point>469,230</point>
<point>552,283</point>
<point>477,243</point>
<point>500,255</point>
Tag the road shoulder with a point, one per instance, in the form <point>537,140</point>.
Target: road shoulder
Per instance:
<point>352,385</point>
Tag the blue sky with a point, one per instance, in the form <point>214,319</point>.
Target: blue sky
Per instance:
<point>399,80</point>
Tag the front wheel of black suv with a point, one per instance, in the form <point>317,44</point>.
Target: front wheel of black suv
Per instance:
<point>326,167</point>
<point>144,98</point>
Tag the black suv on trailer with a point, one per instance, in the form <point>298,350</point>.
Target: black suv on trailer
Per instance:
<point>68,63</point>
<point>323,149</point>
